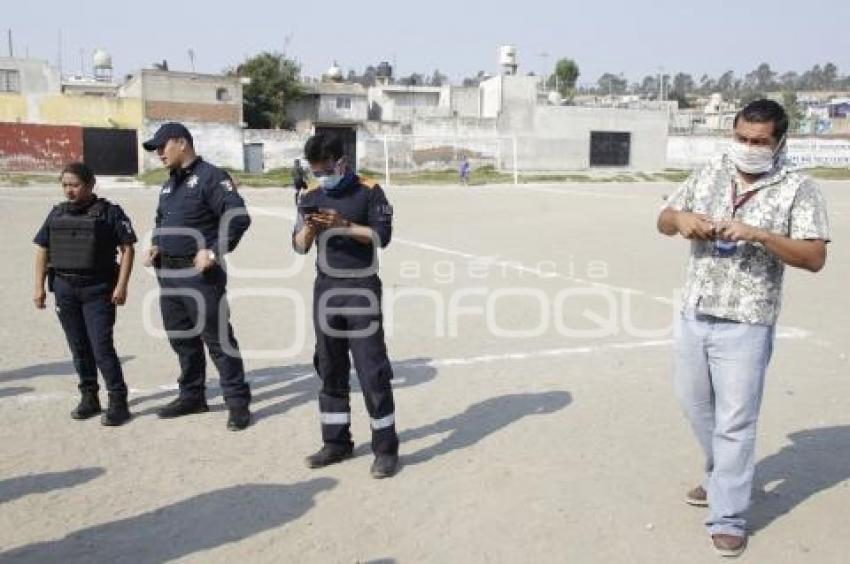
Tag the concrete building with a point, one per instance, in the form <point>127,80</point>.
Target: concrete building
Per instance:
<point>113,119</point>
<point>400,103</point>
<point>555,137</point>
<point>332,106</point>
<point>209,105</point>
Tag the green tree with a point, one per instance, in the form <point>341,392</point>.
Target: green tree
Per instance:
<point>789,80</point>
<point>762,79</point>
<point>438,79</point>
<point>274,86</point>
<point>789,100</point>
<point>611,84</point>
<point>564,77</point>
<point>683,84</point>
<point>830,76</point>
<point>707,85</point>
<point>726,82</point>
<point>649,87</point>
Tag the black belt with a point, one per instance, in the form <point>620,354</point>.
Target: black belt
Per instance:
<point>170,261</point>
<point>82,278</point>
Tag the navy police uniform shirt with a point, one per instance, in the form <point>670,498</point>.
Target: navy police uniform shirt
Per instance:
<point>112,229</point>
<point>360,201</point>
<point>196,198</point>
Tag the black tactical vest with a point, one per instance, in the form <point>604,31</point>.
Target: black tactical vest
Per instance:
<point>73,237</point>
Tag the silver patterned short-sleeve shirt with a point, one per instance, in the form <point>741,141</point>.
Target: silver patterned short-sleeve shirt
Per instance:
<point>746,285</point>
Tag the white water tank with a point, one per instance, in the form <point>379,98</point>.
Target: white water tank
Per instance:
<point>334,73</point>
<point>101,59</point>
<point>507,59</point>
<point>102,64</point>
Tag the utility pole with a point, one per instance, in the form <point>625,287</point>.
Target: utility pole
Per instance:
<point>59,54</point>
<point>545,56</point>
<point>11,51</point>
<point>660,84</point>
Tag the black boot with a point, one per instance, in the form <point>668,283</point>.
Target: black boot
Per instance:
<point>239,418</point>
<point>89,406</point>
<point>117,412</point>
<point>329,454</point>
<point>183,406</point>
<point>384,466</point>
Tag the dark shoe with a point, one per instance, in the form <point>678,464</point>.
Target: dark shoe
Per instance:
<point>729,545</point>
<point>117,412</point>
<point>385,466</point>
<point>89,406</point>
<point>181,407</point>
<point>329,454</point>
<point>239,418</point>
<point>697,497</point>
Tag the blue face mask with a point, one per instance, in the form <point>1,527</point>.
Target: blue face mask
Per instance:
<point>330,182</point>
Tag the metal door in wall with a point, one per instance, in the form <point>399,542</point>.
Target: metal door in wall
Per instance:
<point>349,141</point>
<point>610,148</point>
<point>111,151</point>
<point>254,158</point>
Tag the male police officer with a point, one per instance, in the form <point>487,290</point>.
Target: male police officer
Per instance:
<point>196,204</point>
<point>349,217</point>
<point>76,249</point>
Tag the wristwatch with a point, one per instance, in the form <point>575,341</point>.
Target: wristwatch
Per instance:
<point>211,255</point>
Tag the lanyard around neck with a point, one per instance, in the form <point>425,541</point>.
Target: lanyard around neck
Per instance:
<point>738,201</point>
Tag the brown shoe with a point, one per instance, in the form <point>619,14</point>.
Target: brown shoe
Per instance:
<point>729,545</point>
<point>697,497</point>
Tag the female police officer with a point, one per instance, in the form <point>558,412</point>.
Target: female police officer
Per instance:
<point>76,250</point>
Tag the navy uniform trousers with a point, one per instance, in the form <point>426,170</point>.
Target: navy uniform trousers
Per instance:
<point>369,352</point>
<point>87,315</point>
<point>195,313</point>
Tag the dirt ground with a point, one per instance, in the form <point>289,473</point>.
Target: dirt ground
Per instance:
<point>553,446</point>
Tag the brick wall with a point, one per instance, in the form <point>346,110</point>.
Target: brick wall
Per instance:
<point>29,147</point>
<point>199,113</point>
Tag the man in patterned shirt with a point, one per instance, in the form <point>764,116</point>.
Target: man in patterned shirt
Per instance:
<point>747,215</point>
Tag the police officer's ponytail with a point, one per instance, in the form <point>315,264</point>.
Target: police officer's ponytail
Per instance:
<point>80,170</point>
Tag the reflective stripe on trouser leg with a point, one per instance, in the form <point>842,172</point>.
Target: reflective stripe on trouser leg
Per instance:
<point>383,422</point>
<point>335,418</point>
<point>336,427</point>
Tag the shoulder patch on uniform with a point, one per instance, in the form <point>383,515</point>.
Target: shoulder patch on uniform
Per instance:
<point>227,184</point>
<point>367,182</point>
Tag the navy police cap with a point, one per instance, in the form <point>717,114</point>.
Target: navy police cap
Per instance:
<point>170,130</point>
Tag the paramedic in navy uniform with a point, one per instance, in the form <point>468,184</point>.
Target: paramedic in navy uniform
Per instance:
<point>348,217</point>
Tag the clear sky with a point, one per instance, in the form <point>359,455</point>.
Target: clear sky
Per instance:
<point>459,38</point>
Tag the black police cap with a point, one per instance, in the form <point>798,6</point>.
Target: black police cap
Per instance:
<point>170,130</point>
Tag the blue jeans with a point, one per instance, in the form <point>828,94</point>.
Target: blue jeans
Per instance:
<point>719,369</point>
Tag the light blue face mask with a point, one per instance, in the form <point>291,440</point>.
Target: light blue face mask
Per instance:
<point>329,182</point>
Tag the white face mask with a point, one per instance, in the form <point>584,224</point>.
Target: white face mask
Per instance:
<point>751,159</point>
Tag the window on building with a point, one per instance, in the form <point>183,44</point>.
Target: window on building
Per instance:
<point>343,103</point>
<point>610,148</point>
<point>222,95</point>
<point>10,80</point>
